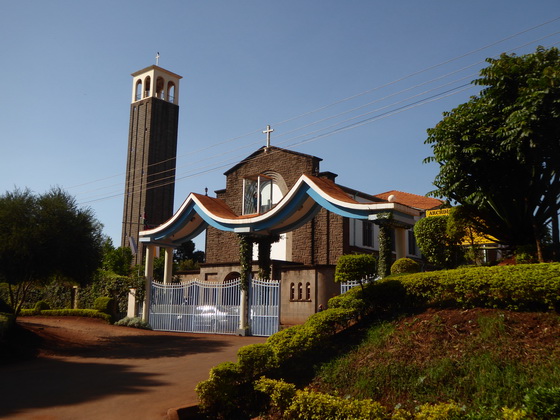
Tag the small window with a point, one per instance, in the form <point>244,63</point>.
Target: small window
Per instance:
<point>292,291</point>
<point>367,233</point>
<point>300,291</point>
<point>412,248</point>
<point>308,292</point>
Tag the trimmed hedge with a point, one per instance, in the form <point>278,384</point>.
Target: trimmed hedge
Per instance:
<point>88,313</point>
<point>405,265</point>
<point>527,287</point>
<point>229,392</point>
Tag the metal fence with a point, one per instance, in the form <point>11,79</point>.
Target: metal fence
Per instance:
<point>344,287</point>
<point>212,307</point>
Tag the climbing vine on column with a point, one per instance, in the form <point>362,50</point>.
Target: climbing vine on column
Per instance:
<point>245,259</point>
<point>385,247</point>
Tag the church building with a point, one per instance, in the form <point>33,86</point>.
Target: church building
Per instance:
<point>277,197</point>
<point>304,259</point>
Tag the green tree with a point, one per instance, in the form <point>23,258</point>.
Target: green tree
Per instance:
<point>354,267</point>
<point>186,257</point>
<point>438,247</point>
<point>44,237</point>
<point>117,260</point>
<point>499,153</point>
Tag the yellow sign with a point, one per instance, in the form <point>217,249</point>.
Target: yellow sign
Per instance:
<point>438,212</point>
<point>472,238</point>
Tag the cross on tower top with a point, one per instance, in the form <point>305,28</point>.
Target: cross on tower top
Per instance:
<point>157,59</point>
<point>267,132</point>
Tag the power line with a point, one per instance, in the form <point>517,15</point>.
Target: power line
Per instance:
<point>334,131</point>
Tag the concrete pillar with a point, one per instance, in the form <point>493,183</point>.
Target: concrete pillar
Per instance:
<point>132,309</point>
<point>244,314</point>
<point>168,270</point>
<point>400,242</point>
<point>149,275</point>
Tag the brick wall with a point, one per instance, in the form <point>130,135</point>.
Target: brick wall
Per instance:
<point>320,241</point>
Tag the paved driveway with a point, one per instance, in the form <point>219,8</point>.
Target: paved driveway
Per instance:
<point>90,370</point>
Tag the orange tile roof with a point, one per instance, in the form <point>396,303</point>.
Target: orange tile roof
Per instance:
<point>411,200</point>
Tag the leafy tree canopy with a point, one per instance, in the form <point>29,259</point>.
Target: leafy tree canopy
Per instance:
<point>499,153</point>
<point>354,267</point>
<point>45,236</point>
<point>117,260</point>
<point>438,245</point>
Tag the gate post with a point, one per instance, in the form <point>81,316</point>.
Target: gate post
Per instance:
<point>149,274</point>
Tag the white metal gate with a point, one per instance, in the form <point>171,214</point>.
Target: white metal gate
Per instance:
<point>211,307</point>
<point>264,307</point>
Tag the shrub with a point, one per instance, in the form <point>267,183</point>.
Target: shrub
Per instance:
<point>104,304</point>
<point>225,395</point>
<point>133,323</point>
<point>256,359</point>
<point>543,403</point>
<point>354,267</point>
<point>89,313</point>
<point>442,411</point>
<point>42,306</point>
<point>515,287</point>
<point>405,266</point>
<point>307,404</point>
<point>280,393</point>
<point>436,245</point>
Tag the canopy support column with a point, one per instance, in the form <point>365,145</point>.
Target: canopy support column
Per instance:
<point>400,242</point>
<point>168,270</point>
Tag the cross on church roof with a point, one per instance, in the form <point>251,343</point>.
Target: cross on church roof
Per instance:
<point>157,59</point>
<point>267,132</point>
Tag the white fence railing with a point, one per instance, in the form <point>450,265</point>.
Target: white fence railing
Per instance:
<point>344,287</point>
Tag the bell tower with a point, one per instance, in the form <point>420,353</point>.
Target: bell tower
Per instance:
<point>151,157</point>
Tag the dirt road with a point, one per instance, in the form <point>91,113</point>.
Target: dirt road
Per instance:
<point>87,369</point>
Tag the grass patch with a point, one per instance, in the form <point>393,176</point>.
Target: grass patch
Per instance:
<point>480,359</point>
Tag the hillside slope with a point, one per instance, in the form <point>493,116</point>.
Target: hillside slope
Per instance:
<point>479,358</point>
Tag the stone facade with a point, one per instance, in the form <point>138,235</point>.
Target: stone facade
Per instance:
<point>318,242</point>
<point>150,172</point>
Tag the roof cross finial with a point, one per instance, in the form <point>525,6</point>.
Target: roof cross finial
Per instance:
<point>157,59</point>
<point>267,132</point>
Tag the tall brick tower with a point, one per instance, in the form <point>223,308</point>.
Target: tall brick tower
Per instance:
<point>152,151</point>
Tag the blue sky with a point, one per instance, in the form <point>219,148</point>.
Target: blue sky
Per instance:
<point>354,82</point>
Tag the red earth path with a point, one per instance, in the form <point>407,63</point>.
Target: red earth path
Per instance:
<point>87,369</point>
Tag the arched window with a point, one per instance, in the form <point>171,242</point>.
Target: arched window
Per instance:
<point>308,291</point>
<point>138,90</point>
<point>300,291</point>
<point>260,194</point>
<point>160,84</point>
<point>147,86</point>
<point>171,92</point>
<point>292,291</point>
